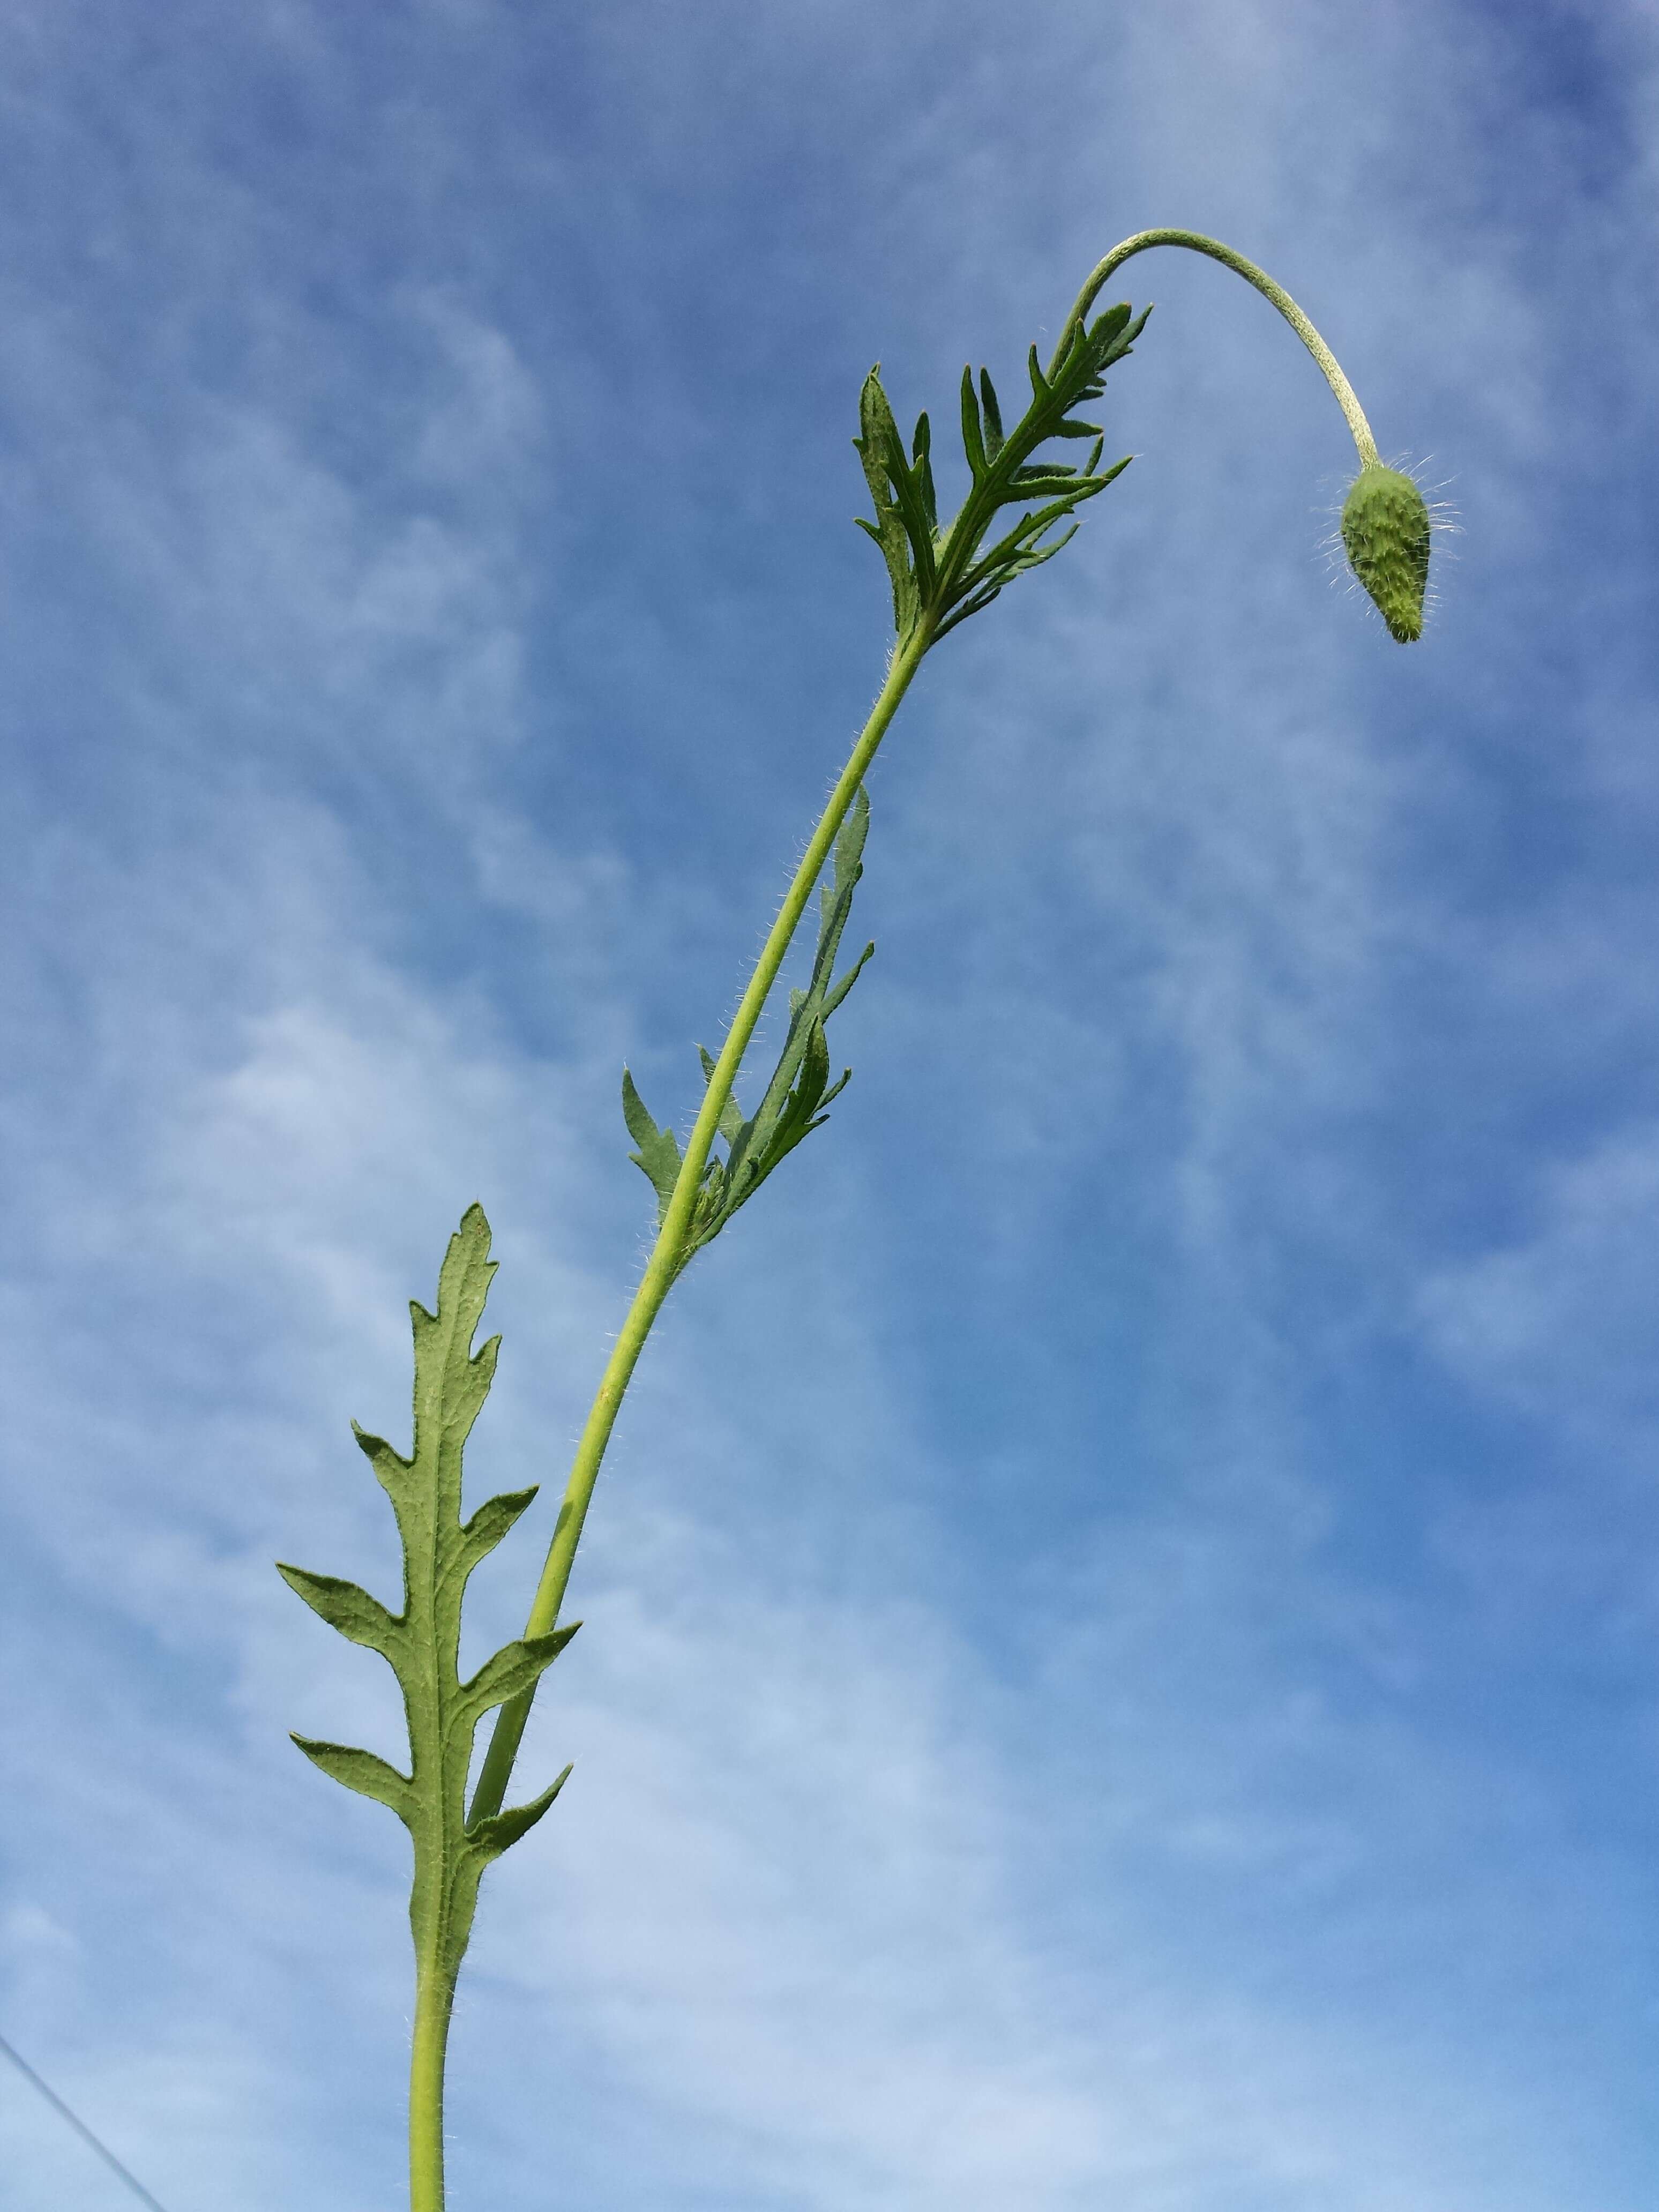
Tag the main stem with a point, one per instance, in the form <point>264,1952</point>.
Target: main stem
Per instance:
<point>1196,242</point>
<point>668,1252</point>
<point>664,1263</point>
<point>435,1998</point>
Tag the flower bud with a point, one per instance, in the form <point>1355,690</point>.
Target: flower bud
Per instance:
<point>1385,528</point>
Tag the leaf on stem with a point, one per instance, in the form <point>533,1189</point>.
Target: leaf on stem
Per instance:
<point>731,1114</point>
<point>794,1100</point>
<point>517,1666</point>
<point>423,1642</point>
<point>499,1832</point>
<point>902,492</point>
<point>941,576</point>
<point>492,1521</point>
<point>359,1770</point>
<point>658,1153</point>
<point>357,1616</point>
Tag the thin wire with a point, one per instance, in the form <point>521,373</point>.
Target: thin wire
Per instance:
<point>79,2127</point>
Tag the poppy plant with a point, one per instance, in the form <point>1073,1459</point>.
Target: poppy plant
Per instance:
<point>1024,504</point>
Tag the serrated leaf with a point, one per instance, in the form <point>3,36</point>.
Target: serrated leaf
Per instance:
<point>361,1770</point>
<point>343,1606</point>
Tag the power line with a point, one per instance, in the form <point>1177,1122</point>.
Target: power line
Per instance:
<point>79,2127</point>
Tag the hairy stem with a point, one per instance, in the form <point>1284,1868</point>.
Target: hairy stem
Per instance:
<point>664,1263</point>
<point>1196,242</point>
<point>435,1998</point>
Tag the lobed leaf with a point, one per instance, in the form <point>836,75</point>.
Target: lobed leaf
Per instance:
<point>451,1383</point>
<point>343,1606</point>
<point>392,1469</point>
<point>832,998</point>
<point>793,1102</point>
<point>658,1153</point>
<point>944,576</point>
<point>491,1522</point>
<point>731,1114</point>
<point>922,473</point>
<point>876,445</point>
<point>906,506</point>
<point>362,1771</point>
<point>517,1666</point>
<point>973,436</point>
<point>499,1832</point>
<point>988,392</point>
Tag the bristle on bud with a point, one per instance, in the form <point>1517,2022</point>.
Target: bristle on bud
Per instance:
<point>1385,529</point>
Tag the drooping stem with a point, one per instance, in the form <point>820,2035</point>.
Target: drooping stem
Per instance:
<point>660,1269</point>
<point>668,1252</point>
<point>1196,242</point>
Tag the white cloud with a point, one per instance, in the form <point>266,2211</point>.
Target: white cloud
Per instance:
<point>1560,1322</point>
<point>1166,1887</point>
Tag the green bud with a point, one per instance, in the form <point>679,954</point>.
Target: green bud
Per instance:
<point>1385,528</point>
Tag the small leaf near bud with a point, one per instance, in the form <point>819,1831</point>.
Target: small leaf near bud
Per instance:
<point>1385,528</point>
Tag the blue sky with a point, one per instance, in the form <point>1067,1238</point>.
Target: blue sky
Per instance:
<point>1122,1662</point>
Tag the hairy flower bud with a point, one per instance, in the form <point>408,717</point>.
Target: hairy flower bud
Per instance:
<point>1385,528</point>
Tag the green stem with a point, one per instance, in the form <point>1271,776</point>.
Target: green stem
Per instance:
<point>429,1911</point>
<point>668,1252</point>
<point>435,1997</point>
<point>1196,242</point>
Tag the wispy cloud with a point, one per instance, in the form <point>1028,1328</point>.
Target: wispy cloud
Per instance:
<point>1071,1703</point>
